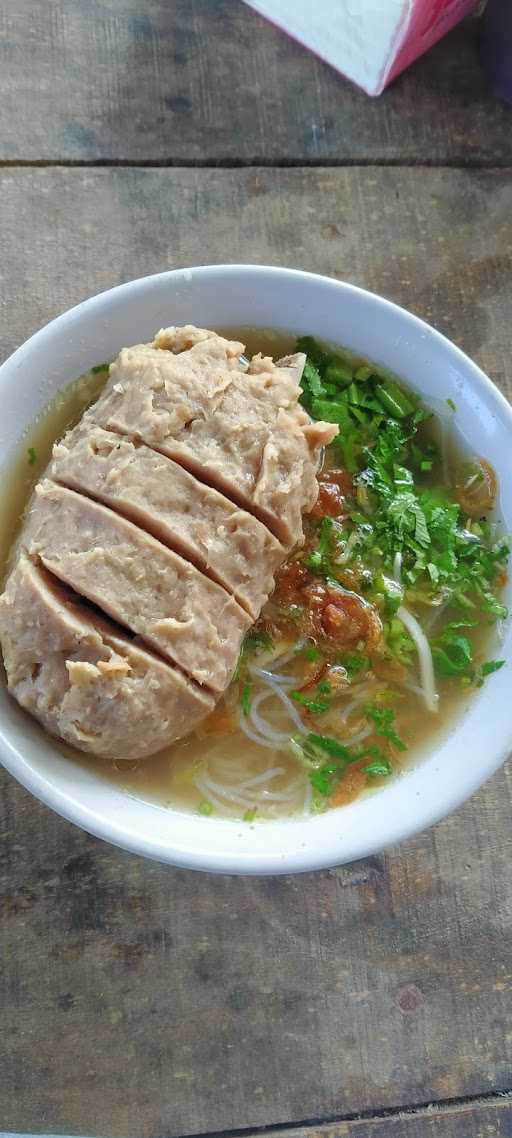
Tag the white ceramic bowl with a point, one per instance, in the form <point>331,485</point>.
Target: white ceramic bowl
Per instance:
<point>231,295</point>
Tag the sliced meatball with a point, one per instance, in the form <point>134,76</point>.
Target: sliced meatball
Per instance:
<point>243,432</point>
<point>138,581</point>
<point>169,507</point>
<point>231,545</point>
<point>178,340</point>
<point>83,679</point>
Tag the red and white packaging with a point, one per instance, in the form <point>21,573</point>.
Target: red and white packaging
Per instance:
<point>370,41</point>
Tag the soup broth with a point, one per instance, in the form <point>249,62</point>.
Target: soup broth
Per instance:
<point>378,629</point>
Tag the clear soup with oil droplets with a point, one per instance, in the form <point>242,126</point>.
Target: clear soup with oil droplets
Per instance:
<point>380,624</point>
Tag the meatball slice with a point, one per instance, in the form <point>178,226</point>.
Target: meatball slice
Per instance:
<point>242,431</point>
<point>83,679</point>
<point>203,526</point>
<point>137,581</point>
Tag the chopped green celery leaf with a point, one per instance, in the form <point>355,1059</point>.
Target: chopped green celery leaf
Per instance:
<point>319,560</point>
<point>360,416</point>
<point>494,607</point>
<point>100,367</point>
<point>451,404</point>
<point>250,815</point>
<point>442,514</point>
<point>452,656</point>
<point>315,706</point>
<point>491,666</point>
<point>444,665</point>
<point>371,751</point>
<point>311,377</point>
<point>257,640</point>
<point>408,518</point>
<point>205,808</point>
<point>326,528</point>
<point>455,624</point>
<point>245,699</point>
<point>393,595</point>
<point>422,415</point>
<point>402,476</point>
<point>345,445</point>
<point>322,780</point>
<point>310,653</point>
<point>421,533</point>
<point>399,642</point>
<point>383,719</point>
<point>314,560</point>
<point>389,447</point>
<point>313,350</point>
<point>32,456</point>
<point>442,553</point>
<point>331,412</point>
<point>446,563</point>
<point>379,768</point>
<point>461,599</point>
<point>388,403</point>
<point>416,454</point>
<point>407,402</point>
<point>359,397</point>
<point>394,400</point>
<point>324,688</point>
<point>319,805</point>
<point>330,746</point>
<point>338,372</point>
<point>353,663</point>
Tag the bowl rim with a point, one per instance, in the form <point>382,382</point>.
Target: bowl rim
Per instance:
<point>215,860</point>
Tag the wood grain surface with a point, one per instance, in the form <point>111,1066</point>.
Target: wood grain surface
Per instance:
<point>492,1120</point>
<point>141,1001</point>
<point>437,241</point>
<point>208,81</point>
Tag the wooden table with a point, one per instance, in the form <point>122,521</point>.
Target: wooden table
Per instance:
<point>371,1001</point>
